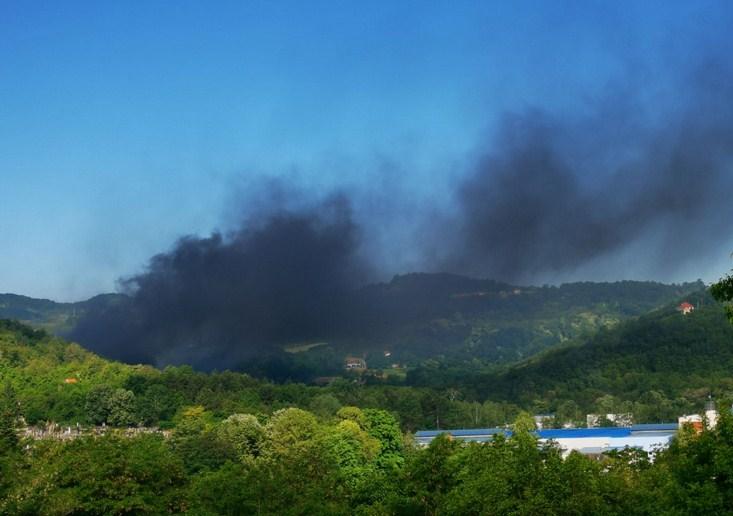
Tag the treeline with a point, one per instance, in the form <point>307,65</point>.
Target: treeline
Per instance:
<point>100,392</point>
<point>657,368</point>
<point>420,316</point>
<point>357,462</point>
<point>61,382</point>
<point>155,398</point>
<point>415,316</point>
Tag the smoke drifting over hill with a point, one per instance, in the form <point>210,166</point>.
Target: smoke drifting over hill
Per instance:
<point>558,193</point>
<point>212,301</point>
<point>553,194</point>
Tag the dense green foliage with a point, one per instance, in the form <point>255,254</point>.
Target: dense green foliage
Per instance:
<point>357,463</point>
<point>658,366</point>
<point>239,445</point>
<point>38,367</point>
<point>723,292</point>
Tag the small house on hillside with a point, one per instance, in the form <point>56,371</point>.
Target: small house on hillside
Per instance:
<point>355,364</point>
<point>693,420</point>
<point>685,308</point>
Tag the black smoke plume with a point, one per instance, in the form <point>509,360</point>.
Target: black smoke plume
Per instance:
<point>283,277</point>
<point>553,194</point>
<point>560,192</point>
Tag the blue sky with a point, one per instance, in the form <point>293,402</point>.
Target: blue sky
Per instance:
<point>125,125</point>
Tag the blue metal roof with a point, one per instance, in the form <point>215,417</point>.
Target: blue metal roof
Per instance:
<point>596,440</point>
<point>569,433</point>
<point>554,433</point>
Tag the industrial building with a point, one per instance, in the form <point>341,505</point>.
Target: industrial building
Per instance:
<point>589,441</point>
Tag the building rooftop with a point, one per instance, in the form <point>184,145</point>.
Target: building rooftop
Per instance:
<point>645,436</point>
<point>557,433</point>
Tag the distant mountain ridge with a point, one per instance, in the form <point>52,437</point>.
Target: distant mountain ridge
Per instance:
<point>55,317</point>
<point>420,316</point>
<point>444,314</point>
<point>664,359</point>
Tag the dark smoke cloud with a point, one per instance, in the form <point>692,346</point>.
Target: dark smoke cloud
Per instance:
<point>559,192</point>
<point>214,301</point>
<point>556,193</point>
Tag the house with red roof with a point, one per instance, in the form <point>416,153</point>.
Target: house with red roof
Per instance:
<point>685,308</point>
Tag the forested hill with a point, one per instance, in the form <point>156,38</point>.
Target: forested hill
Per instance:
<point>449,318</point>
<point>664,358</point>
<point>420,316</point>
<point>57,381</point>
<point>53,377</point>
<point>58,318</point>
<point>443,314</point>
<point>235,445</point>
<point>658,366</point>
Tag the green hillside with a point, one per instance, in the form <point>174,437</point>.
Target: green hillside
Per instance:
<point>238,445</point>
<point>57,318</point>
<point>657,366</point>
<point>58,381</point>
<point>664,359</point>
<point>413,318</point>
<point>53,377</point>
<point>472,323</point>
